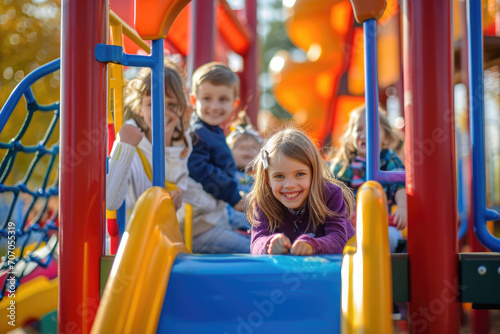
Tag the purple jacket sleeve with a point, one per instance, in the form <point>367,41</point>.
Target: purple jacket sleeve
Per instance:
<point>338,229</point>
<point>260,234</point>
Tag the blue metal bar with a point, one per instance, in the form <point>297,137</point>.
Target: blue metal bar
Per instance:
<point>23,86</point>
<point>476,106</point>
<point>158,117</point>
<point>29,149</point>
<point>120,219</point>
<point>115,54</point>
<point>39,192</point>
<point>371,99</point>
<point>462,202</point>
<point>51,107</point>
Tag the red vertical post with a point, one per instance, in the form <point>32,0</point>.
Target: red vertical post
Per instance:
<point>82,162</point>
<point>430,178</point>
<point>250,94</point>
<point>202,34</point>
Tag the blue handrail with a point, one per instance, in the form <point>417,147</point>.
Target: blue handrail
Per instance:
<point>476,106</point>
<point>24,88</point>
<point>115,54</point>
<point>462,198</point>
<point>371,97</point>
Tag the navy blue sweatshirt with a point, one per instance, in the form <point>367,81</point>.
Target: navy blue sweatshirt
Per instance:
<point>211,163</point>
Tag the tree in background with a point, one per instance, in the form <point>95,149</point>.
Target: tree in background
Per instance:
<point>30,38</point>
<point>274,38</point>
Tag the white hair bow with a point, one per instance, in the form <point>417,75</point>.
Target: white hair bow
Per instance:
<point>264,156</point>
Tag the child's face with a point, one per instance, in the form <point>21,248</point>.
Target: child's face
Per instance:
<point>290,181</point>
<point>359,136</point>
<point>213,103</point>
<point>171,104</point>
<point>244,150</point>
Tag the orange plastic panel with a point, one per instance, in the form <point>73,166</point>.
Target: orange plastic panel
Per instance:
<point>388,66</point>
<point>343,107</point>
<point>356,71</point>
<point>368,9</point>
<point>153,18</point>
<point>178,35</point>
<point>307,89</point>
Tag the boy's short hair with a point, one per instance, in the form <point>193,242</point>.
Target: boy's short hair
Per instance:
<point>217,74</point>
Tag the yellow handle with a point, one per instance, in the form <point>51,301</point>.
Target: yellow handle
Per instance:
<point>366,267</point>
<point>188,227</point>
<point>138,280</point>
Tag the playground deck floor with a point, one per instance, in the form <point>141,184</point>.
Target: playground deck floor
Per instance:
<point>400,327</point>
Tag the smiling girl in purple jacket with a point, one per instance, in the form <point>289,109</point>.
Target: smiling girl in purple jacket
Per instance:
<point>296,206</point>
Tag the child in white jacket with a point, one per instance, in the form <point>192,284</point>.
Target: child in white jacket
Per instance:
<point>131,157</point>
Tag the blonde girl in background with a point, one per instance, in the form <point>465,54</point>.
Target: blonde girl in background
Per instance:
<point>349,164</point>
<point>244,143</point>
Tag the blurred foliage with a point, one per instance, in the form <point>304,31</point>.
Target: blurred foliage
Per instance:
<point>274,40</point>
<point>30,33</point>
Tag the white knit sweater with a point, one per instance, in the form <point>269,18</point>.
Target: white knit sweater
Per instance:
<point>127,179</point>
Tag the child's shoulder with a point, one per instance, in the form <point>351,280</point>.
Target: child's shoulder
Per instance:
<point>332,189</point>
<point>197,126</point>
<point>257,213</point>
<point>333,195</point>
<point>389,160</point>
<point>389,154</point>
<point>201,128</point>
<point>337,166</point>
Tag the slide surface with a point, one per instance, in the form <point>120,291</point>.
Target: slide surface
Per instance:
<point>252,294</point>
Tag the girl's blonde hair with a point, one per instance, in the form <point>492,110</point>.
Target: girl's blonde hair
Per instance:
<point>347,151</point>
<point>295,145</point>
<point>140,86</point>
<point>240,128</point>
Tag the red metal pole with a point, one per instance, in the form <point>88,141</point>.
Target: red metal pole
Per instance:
<point>430,178</point>
<point>202,34</point>
<point>250,93</point>
<point>82,162</point>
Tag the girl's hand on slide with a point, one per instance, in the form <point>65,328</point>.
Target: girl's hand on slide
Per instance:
<point>239,206</point>
<point>400,218</point>
<point>176,196</point>
<point>130,134</point>
<point>302,248</point>
<point>280,244</point>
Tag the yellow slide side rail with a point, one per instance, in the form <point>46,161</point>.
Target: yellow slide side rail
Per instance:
<point>115,71</point>
<point>116,82</point>
<point>134,293</point>
<point>366,267</point>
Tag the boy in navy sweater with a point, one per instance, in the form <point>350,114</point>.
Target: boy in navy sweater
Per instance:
<point>215,95</point>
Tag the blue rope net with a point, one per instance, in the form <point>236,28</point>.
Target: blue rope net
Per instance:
<point>28,231</point>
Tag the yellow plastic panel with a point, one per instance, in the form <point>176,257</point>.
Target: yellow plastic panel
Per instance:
<point>366,267</point>
<point>133,296</point>
<point>32,300</point>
